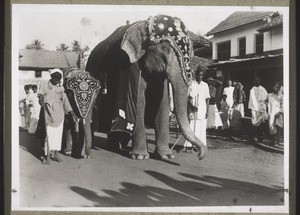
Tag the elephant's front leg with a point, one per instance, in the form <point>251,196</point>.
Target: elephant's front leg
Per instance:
<point>87,129</point>
<point>139,140</point>
<point>162,126</point>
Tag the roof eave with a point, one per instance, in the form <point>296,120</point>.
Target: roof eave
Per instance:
<point>265,29</point>
<point>37,68</point>
<point>245,23</point>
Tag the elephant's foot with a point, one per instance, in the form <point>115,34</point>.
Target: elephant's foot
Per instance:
<point>164,154</point>
<point>139,156</point>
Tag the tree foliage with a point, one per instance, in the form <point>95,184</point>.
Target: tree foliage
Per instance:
<point>62,47</point>
<point>36,44</point>
<point>76,47</point>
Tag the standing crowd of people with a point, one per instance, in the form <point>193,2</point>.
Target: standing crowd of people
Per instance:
<point>44,111</point>
<point>30,108</point>
<point>207,114</point>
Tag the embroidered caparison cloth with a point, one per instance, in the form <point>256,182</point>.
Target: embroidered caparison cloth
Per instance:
<point>84,87</point>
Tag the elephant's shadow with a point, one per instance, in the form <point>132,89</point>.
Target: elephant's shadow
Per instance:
<point>190,190</point>
<point>100,143</point>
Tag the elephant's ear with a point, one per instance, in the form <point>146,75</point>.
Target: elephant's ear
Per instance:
<point>133,40</point>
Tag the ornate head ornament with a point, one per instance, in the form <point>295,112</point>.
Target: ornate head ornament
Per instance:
<point>171,29</point>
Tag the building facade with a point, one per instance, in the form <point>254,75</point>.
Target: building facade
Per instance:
<point>247,45</point>
<point>34,65</point>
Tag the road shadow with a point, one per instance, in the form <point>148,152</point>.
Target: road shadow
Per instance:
<point>100,143</point>
<point>229,183</point>
<point>30,143</point>
<point>195,191</point>
<point>233,190</point>
<point>132,195</point>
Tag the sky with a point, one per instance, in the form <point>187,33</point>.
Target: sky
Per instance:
<point>90,24</point>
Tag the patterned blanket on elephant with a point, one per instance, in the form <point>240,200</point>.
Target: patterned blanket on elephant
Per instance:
<point>84,87</point>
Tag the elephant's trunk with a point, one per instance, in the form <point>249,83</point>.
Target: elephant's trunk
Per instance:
<point>180,105</point>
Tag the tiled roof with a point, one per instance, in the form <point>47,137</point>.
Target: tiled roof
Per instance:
<point>277,21</point>
<point>239,18</point>
<point>44,59</point>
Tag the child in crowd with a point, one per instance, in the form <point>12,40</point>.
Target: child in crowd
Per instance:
<point>32,102</point>
<point>224,113</point>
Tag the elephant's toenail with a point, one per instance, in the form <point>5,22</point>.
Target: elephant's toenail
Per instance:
<point>164,157</point>
<point>140,157</point>
<point>171,156</point>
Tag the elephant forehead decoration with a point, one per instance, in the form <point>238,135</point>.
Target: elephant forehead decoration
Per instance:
<point>173,30</point>
<point>84,87</point>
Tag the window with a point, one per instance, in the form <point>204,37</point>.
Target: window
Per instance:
<point>224,51</point>
<point>259,43</point>
<point>38,73</point>
<point>242,47</point>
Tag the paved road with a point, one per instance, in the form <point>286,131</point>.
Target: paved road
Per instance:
<point>231,174</point>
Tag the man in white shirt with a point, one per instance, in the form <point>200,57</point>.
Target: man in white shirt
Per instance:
<point>258,106</point>
<point>228,91</point>
<point>198,102</point>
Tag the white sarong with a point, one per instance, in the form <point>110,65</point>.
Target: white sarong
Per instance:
<point>53,138</point>
<point>213,117</point>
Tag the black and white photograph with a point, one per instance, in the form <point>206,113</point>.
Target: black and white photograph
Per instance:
<point>150,108</point>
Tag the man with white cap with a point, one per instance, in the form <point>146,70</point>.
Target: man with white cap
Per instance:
<point>55,103</point>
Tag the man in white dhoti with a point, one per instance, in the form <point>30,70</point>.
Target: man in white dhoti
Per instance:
<point>228,91</point>
<point>198,101</point>
<point>275,110</point>
<point>56,104</point>
<point>257,104</point>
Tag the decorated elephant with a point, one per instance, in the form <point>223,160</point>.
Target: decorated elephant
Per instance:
<point>82,90</point>
<point>136,63</point>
